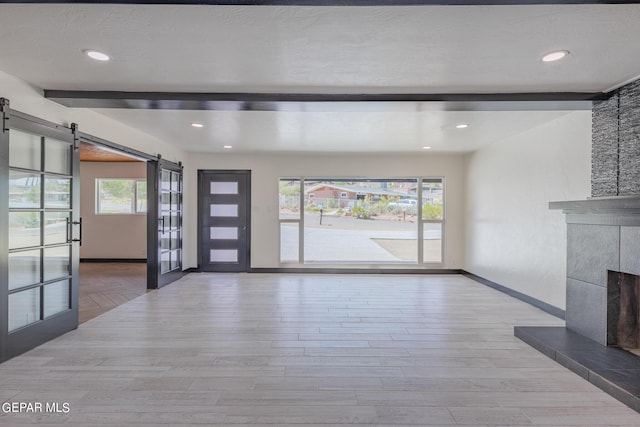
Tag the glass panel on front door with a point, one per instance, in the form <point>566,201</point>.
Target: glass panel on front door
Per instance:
<point>224,233</point>
<point>224,187</point>
<point>230,211</point>
<point>224,255</point>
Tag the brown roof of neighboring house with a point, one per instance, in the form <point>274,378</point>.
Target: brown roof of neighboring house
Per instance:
<point>356,189</point>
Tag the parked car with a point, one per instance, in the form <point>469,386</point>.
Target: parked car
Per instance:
<point>403,203</point>
<point>407,206</point>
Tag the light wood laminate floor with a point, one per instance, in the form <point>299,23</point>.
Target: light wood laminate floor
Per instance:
<point>267,349</point>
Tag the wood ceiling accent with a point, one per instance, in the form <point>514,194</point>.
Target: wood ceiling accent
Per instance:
<point>93,153</point>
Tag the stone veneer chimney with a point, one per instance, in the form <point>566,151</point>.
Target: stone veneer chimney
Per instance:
<point>615,148</point>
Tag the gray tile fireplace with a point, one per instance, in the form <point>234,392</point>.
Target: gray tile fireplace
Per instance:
<point>603,237</point>
<point>603,288</point>
<point>603,259</point>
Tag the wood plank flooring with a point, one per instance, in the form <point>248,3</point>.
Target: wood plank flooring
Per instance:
<point>104,286</point>
<point>305,350</point>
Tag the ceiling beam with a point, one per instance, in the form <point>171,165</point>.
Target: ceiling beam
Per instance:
<point>333,2</point>
<point>323,102</point>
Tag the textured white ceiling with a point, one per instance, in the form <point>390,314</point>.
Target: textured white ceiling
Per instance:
<point>430,49</point>
<point>256,131</point>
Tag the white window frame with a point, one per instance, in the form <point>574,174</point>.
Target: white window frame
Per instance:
<point>420,221</point>
<point>135,196</point>
<point>299,221</point>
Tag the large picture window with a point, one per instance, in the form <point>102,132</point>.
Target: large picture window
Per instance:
<point>121,196</point>
<point>361,221</point>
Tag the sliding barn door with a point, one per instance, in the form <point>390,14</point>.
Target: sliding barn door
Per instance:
<point>41,232</point>
<point>164,233</point>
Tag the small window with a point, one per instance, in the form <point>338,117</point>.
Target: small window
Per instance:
<point>343,195</point>
<point>312,196</point>
<point>289,198</point>
<point>121,196</point>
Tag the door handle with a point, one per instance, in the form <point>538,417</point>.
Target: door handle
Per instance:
<point>69,230</point>
<point>79,239</point>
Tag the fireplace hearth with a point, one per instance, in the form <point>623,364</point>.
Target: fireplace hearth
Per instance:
<point>601,339</point>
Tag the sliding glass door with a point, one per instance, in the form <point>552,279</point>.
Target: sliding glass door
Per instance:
<point>41,232</point>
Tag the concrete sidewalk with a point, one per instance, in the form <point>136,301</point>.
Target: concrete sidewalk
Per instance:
<point>327,244</point>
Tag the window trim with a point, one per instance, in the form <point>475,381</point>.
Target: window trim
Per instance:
<point>136,182</point>
<point>419,223</point>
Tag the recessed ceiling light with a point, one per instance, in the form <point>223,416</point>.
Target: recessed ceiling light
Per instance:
<point>556,55</point>
<point>228,146</point>
<point>197,125</point>
<point>462,126</point>
<point>426,148</point>
<point>98,56</point>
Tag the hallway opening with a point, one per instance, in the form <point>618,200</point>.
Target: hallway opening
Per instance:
<point>113,208</point>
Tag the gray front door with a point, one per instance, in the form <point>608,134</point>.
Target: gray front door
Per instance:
<point>223,217</point>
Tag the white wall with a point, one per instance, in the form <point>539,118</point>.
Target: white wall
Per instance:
<point>267,169</point>
<point>30,100</point>
<point>505,232</point>
<point>110,236</point>
<point>512,238</point>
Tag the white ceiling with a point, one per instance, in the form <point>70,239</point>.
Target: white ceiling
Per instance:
<point>393,49</point>
<point>255,131</point>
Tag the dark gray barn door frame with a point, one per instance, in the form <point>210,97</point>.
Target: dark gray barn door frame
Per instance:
<point>40,231</point>
<point>158,275</point>
<point>164,222</point>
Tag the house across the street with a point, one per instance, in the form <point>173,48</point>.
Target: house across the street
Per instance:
<point>346,196</point>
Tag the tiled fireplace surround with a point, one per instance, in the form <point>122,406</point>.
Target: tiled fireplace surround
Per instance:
<point>603,238</point>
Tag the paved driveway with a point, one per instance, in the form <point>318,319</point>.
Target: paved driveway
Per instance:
<point>345,239</point>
